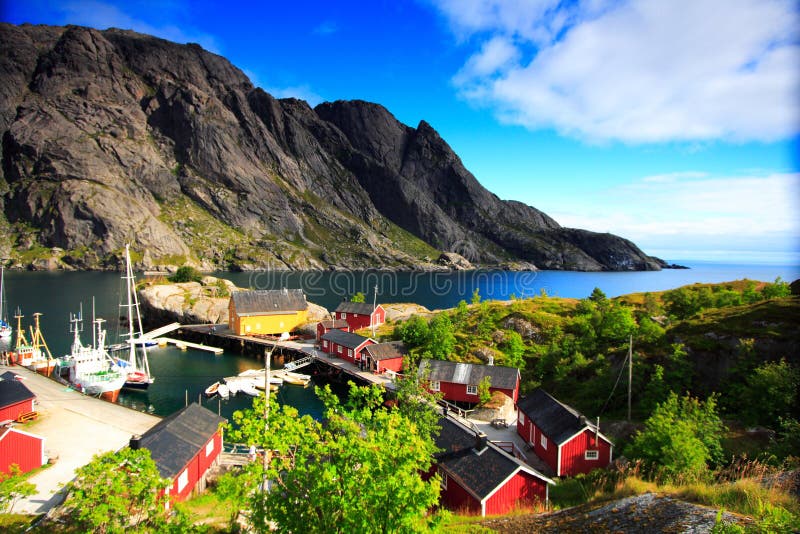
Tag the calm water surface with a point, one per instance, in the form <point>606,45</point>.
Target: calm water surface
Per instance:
<point>181,375</point>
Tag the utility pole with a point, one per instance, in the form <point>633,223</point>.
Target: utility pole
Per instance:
<point>374,307</point>
<point>630,374</point>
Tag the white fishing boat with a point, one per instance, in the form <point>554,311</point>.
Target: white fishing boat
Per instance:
<point>136,365</point>
<point>91,369</point>
<point>258,375</point>
<point>5,328</point>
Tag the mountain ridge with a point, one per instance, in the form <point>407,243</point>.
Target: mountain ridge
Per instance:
<point>112,136</point>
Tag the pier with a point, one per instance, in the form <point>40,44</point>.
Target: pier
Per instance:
<point>221,335</point>
<point>183,345</point>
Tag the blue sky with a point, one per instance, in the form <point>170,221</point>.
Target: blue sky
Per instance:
<point>675,124</point>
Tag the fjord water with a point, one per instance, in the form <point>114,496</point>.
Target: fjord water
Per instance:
<point>181,375</point>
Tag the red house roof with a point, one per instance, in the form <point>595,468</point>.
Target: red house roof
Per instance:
<point>176,439</point>
<point>361,308</point>
<point>468,373</point>
<point>344,339</point>
<point>387,351</point>
<point>477,465</point>
<point>337,323</point>
<point>558,421</point>
<point>13,392</point>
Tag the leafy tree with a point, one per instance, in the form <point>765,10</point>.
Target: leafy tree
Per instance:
<point>460,314</point>
<point>418,405</point>
<point>359,472</point>
<point>649,331</point>
<point>656,390</point>
<point>484,393</point>
<point>681,437</point>
<point>414,332</point>
<point>234,487</point>
<point>441,337</point>
<point>117,491</point>
<point>651,304</point>
<point>777,289</point>
<point>514,349</point>
<point>787,439</point>
<point>771,393</point>
<point>186,273</point>
<point>358,297</point>
<point>13,487</point>
<point>476,296</point>
<point>681,303</point>
<point>598,297</point>
<point>617,324</point>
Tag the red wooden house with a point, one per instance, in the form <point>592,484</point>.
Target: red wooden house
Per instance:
<point>15,398</point>
<point>323,327</point>
<point>360,314</point>
<point>481,478</point>
<point>345,345</point>
<point>458,382</point>
<point>383,357</point>
<point>184,446</point>
<point>561,436</point>
<point>21,448</point>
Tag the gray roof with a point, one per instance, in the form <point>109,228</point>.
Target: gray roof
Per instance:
<point>558,421</point>
<point>468,373</point>
<point>387,351</point>
<point>337,323</point>
<point>13,391</point>
<point>477,471</point>
<point>269,301</point>
<point>345,339</point>
<point>176,439</point>
<point>361,308</point>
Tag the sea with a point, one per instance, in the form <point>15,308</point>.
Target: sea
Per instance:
<point>182,376</point>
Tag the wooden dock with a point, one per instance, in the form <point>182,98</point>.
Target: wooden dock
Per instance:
<point>258,346</point>
<point>183,345</point>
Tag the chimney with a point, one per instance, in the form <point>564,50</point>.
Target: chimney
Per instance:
<point>136,442</point>
<point>480,441</point>
<point>582,421</point>
<point>491,360</point>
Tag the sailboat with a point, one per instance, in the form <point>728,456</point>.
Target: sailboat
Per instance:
<point>5,328</point>
<point>136,366</point>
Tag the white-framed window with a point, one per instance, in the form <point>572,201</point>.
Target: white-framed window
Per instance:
<point>183,480</point>
<point>521,418</point>
<point>349,353</point>
<point>342,315</point>
<point>210,447</point>
<point>325,343</point>
<point>543,441</point>
<point>591,455</point>
<point>443,476</point>
<point>472,390</point>
<point>436,385</point>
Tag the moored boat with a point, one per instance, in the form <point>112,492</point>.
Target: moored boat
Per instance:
<point>137,366</point>
<point>31,355</point>
<point>91,369</point>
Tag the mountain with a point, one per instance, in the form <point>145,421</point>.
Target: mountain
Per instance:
<point>111,137</point>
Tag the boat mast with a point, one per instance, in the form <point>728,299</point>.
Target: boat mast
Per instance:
<point>20,332</point>
<point>128,281</point>
<point>37,339</point>
<point>630,374</point>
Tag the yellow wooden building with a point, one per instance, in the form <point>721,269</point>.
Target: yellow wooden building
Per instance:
<point>267,311</point>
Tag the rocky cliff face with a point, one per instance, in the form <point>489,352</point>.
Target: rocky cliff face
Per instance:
<point>113,137</point>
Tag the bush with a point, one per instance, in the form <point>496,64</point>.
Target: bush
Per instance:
<point>185,273</point>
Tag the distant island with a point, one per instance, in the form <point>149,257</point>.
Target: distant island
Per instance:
<point>113,137</point>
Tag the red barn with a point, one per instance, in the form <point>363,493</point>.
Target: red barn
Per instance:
<point>345,345</point>
<point>383,357</point>
<point>458,382</point>
<point>481,478</point>
<point>20,448</point>
<point>360,314</point>
<point>561,436</point>
<point>184,446</point>
<point>323,327</point>
<point>15,398</point>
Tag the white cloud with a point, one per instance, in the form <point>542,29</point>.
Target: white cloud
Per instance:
<point>102,16</point>
<point>303,92</point>
<point>696,211</point>
<point>637,71</point>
